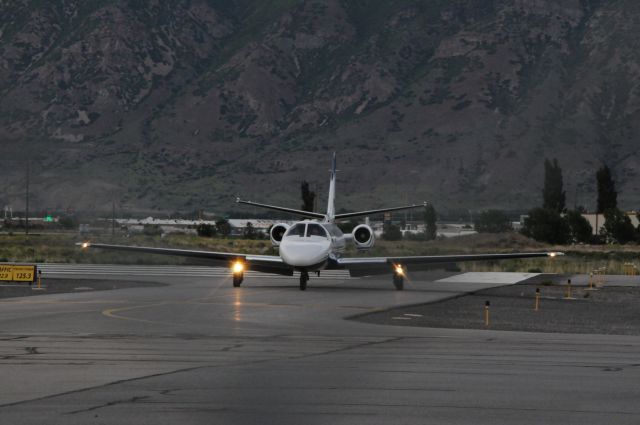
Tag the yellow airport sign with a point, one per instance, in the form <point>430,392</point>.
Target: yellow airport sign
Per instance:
<point>17,273</point>
<point>6,272</point>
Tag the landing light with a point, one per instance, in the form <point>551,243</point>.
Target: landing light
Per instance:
<point>238,267</point>
<point>85,245</point>
<point>399,270</point>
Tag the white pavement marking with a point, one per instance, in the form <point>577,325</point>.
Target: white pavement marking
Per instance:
<point>186,271</point>
<point>488,277</point>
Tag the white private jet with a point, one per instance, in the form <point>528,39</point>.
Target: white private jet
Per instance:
<point>317,244</point>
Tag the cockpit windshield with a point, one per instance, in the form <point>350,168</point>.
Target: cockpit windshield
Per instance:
<point>296,230</point>
<point>316,230</point>
<point>307,229</point>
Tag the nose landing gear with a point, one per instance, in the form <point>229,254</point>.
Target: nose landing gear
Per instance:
<point>237,279</point>
<point>398,278</point>
<point>304,277</point>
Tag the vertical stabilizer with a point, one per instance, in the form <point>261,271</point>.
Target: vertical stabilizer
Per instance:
<point>331,211</point>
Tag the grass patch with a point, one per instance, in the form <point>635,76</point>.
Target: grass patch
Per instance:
<point>61,248</point>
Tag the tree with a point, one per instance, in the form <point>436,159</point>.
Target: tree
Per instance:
<point>308,196</point>
<point>618,227</point>
<point>546,226</point>
<point>607,195</point>
<point>67,222</point>
<point>223,227</point>
<point>430,217</point>
<point>249,231</point>
<point>552,194</point>
<point>152,230</point>
<point>492,221</point>
<point>391,232</point>
<point>579,227</point>
<point>347,226</point>
<point>206,230</point>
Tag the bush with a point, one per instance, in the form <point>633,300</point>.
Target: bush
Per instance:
<point>391,233</point>
<point>249,231</point>
<point>67,222</point>
<point>579,227</point>
<point>492,221</point>
<point>618,227</point>
<point>206,230</point>
<point>223,227</point>
<point>152,230</point>
<point>546,225</point>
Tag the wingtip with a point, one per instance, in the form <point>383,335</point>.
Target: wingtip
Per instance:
<point>555,254</point>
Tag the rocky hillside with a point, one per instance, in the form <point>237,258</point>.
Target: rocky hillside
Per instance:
<point>182,105</point>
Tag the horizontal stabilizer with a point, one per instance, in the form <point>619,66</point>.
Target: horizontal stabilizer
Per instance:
<point>371,212</point>
<point>283,209</point>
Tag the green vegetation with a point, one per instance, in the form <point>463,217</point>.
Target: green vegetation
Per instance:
<point>391,232</point>
<point>618,227</point>
<point>546,226</point>
<point>553,194</point>
<point>492,221</point>
<point>61,248</point>
<point>308,196</point>
<point>206,230</point>
<point>579,227</point>
<point>607,194</point>
<point>430,216</point>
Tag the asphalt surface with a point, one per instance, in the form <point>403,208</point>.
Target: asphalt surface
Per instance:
<point>198,351</point>
<point>605,310</point>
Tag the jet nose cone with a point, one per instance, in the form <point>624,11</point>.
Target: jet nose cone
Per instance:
<point>304,253</point>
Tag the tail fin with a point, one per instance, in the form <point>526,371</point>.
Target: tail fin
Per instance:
<point>331,209</point>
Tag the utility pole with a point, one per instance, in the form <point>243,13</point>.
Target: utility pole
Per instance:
<point>26,214</point>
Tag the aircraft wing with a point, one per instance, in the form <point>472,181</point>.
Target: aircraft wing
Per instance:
<point>365,266</point>
<point>260,263</point>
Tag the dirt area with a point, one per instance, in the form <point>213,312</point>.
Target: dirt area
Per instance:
<point>56,286</point>
<point>609,310</point>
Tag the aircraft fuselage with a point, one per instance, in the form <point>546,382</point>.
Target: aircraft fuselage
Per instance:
<point>309,245</point>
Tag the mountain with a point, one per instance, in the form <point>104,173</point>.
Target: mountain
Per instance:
<point>183,105</point>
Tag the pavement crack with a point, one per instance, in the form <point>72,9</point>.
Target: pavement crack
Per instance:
<point>232,347</point>
<point>347,348</point>
<point>107,385</point>
<point>13,338</point>
<point>109,404</point>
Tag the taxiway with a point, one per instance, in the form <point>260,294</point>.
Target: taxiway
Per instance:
<point>199,351</point>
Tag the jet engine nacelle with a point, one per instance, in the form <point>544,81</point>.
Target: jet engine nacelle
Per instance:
<point>277,232</point>
<point>363,236</point>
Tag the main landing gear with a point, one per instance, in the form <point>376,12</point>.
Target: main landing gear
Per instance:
<point>238,268</point>
<point>304,277</point>
<point>398,278</point>
<point>237,279</point>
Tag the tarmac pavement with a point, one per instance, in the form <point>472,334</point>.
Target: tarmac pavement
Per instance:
<point>200,351</point>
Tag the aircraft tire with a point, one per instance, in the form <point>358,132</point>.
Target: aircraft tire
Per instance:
<point>398,282</point>
<point>304,277</point>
